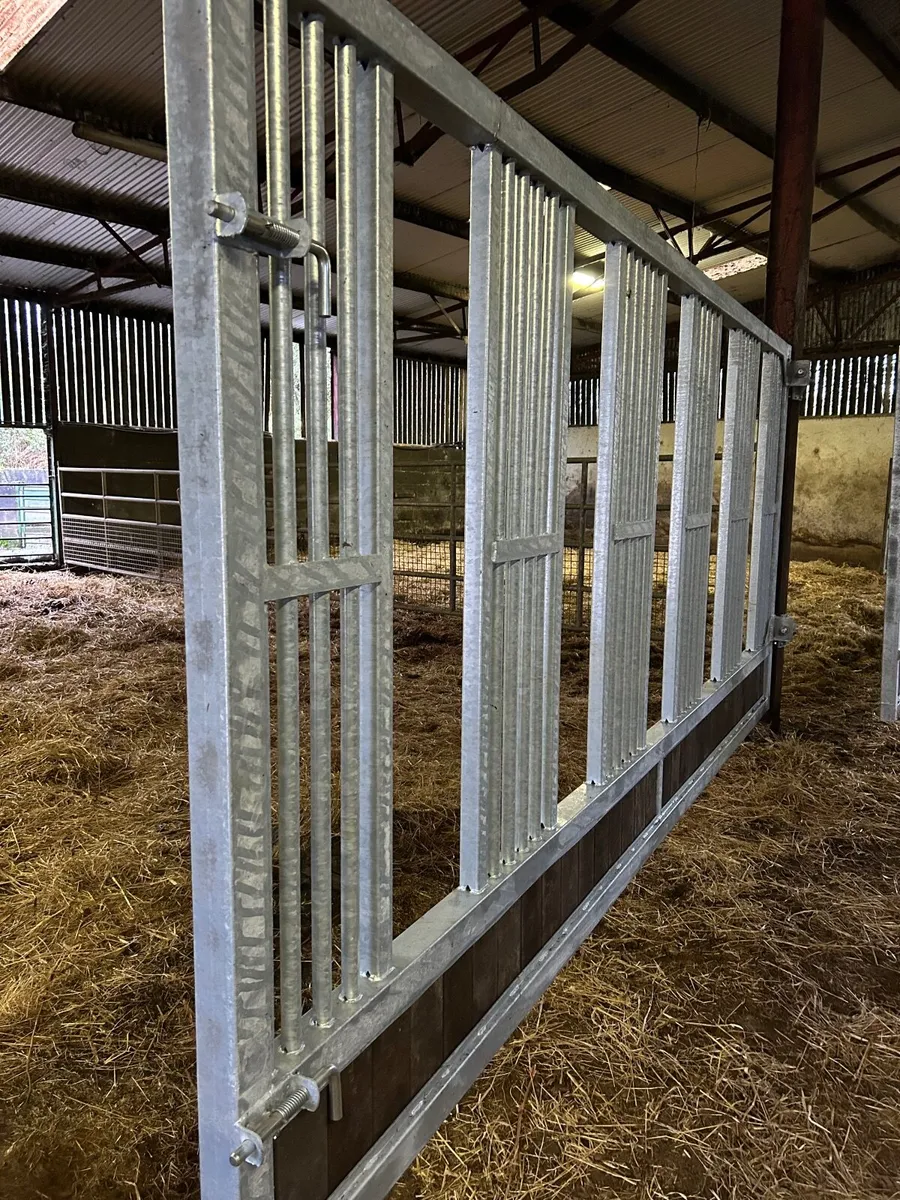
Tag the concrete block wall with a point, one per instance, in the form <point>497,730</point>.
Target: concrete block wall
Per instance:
<point>841,491</point>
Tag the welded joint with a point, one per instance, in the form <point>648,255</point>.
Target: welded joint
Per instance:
<point>781,629</point>
<point>798,373</point>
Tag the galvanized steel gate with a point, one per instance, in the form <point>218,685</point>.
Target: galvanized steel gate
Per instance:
<point>399,1037</point>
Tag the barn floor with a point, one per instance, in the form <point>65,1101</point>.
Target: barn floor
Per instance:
<point>732,1030</point>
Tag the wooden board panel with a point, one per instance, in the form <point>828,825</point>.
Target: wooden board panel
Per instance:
<point>407,1054</point>
<point>301,1157</point>
<point>681,763</point>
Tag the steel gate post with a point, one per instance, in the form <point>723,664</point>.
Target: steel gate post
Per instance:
<point>212,148</point>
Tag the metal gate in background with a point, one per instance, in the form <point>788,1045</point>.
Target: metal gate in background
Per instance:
<point>317,1082</point>
<point>28,519</point>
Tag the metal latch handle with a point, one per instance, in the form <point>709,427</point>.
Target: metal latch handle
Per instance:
<point>252,230</point>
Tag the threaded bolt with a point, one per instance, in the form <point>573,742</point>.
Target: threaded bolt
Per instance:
<point>294,1102</point>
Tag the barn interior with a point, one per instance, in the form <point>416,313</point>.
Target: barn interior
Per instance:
<point>732,1026</point>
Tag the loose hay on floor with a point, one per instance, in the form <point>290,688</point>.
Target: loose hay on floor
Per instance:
<point>732,1030</point>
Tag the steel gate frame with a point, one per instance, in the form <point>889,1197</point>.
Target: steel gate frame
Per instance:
<point>416,1017</point>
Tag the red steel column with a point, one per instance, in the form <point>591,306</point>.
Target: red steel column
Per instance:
<point>793,180</point>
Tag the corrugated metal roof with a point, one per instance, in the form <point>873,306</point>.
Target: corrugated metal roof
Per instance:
<point>107,55</point>
<point>42,145</point>
<point>884,17</point>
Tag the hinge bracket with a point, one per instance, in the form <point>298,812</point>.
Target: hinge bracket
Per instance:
<point>781,629</point>
<point>799,373</point>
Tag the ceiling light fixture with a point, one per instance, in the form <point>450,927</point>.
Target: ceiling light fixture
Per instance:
<point>737,266</point>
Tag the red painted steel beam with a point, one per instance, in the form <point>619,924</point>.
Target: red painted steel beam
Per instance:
<point>787,269</point>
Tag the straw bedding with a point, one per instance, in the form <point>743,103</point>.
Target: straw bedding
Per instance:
<point>732,1029</point>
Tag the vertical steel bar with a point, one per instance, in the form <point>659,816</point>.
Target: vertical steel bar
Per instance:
<point>210,91</point>
<point>699,350</point>
<point>742,389</point>
<point>284,495</point>
<point>543,513</point>
<point>511,506</point>
<point>528,779</point>
<point>375,181</point>
<point>479,741</point>
<point>317,406</point>
<point>345,75</point>
<point>504,679</point>
<point>560,297</point>
<point>516,504</point>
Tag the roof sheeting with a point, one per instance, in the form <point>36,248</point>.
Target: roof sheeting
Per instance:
<point>106,57</point>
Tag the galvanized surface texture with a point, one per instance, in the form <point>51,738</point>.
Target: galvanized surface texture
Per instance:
<point>699,356</point>
<point>392,1040</point>
<point>741,400</point>
<point>634,321</point>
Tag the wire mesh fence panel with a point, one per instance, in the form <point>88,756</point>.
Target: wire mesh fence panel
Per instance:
<point>26,515</point>
<point>127,521</point>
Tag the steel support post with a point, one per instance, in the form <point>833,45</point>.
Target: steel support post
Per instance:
<point>793,181</point>
<point>211,107</point>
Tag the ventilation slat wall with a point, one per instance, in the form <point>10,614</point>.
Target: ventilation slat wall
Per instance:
<point>22,387</point>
